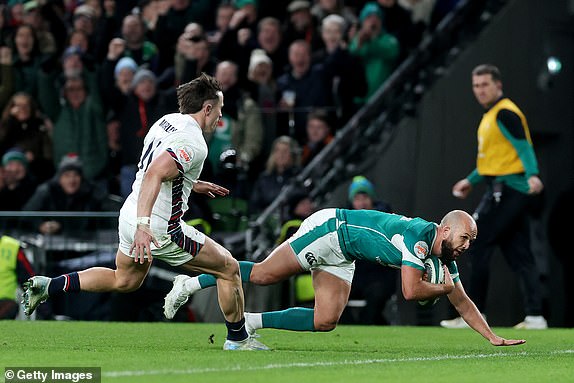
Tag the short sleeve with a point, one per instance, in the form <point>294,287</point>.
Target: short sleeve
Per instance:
<point>417,245</point>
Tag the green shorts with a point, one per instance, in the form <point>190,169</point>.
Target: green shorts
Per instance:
<point>316,245</point>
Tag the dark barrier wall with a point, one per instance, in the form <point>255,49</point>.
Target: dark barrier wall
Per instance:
<point>438,147</point>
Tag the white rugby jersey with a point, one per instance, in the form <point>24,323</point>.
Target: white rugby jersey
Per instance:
<point>181,136</point>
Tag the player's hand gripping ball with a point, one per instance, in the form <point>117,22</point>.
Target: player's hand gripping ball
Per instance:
<point>434,274</point>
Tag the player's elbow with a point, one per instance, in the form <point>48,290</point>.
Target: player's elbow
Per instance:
<point>409,293</point>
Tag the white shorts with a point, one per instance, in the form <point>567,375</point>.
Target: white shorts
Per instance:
<point>168,250</point>
<point>316,246</point>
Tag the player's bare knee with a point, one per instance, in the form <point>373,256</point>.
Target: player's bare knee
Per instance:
<point>230,270</point>
<point>127,285</point>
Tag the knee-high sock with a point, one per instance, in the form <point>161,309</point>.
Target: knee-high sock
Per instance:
<point>295,318</point>
<point>207,280</point>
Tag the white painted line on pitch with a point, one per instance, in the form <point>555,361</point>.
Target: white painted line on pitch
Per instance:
<point>191,371</point>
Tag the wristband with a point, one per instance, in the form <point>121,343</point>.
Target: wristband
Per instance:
<point>143,221</point>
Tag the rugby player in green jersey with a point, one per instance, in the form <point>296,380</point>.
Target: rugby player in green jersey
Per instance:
<point>328,243</point>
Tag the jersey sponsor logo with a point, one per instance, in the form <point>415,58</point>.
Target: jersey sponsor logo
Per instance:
<point>184,154</point>
<point>310,257</point>
<point>421,249</point>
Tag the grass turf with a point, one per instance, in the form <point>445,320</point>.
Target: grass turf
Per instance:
<point>179,352</point>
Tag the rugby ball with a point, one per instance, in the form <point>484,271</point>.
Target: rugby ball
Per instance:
<point>434,273</point>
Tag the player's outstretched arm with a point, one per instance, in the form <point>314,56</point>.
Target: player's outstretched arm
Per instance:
<point>468,311</point>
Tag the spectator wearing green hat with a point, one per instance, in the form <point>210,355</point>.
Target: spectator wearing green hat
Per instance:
<point>19,185</point>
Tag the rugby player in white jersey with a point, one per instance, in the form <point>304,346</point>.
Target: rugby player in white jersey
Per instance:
<point>150,222</point>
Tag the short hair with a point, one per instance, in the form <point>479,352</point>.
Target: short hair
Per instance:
<point>487,69</point>
<point>192,95</point>
<point>320,114</point>
<point>272,21</point>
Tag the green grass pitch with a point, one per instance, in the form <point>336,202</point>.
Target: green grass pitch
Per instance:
<point>191,352</point>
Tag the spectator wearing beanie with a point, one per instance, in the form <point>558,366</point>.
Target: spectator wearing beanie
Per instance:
<point>19,185</point>
<point>68,191</point>
<point>362,195</point>
<point>124,73</point>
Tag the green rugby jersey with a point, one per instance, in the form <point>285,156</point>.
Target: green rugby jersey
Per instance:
<point>388,239</point>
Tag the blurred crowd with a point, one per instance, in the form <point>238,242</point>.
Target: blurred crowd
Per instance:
<point>81,82</point>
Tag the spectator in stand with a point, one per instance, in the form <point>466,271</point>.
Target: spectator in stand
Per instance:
<point>397,21</point>
<point>22,127</point>
<point>136,112</point>
<point>270,39</point>
<point>19,185</point>
<point>80,128</point>
<point>171,24</point>
<point>324,8</point>
<point>26,60</point>
<point>15,269</point>
<point>306,83</point>
<point>240,36</point>
<point>135,45</point>
<point>301,25</point>
<point>222,19</point>
<point>378,49</point>
<point>193,55</point>
<point>68,190</point>
<point>373,283</point>
<point>53,75</point>
<point>33,17</point>
<point>240,126</point>
<point>85,19</point>
<point>263,89</point>
<point>150,10</point>
<point>116,81</point>
<point>282,166</point>
<point>15,13</point>
<point>79,39</point>
<point>344,72</point>
<point>319,135</point>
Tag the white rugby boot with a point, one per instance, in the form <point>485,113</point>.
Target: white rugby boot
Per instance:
<point>177,296</point>
<point>35,292</point>
<point>533,322</point>
<point>249,344</point>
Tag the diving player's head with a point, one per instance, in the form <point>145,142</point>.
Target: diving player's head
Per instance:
<point>458,230</point>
